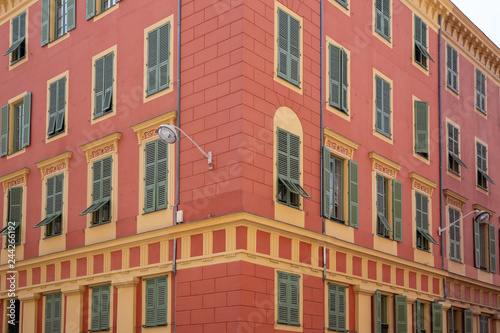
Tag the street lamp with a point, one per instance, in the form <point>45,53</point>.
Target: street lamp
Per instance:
<point>481,218</point>
<point>168,134</point>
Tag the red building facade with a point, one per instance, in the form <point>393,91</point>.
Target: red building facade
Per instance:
<point>344,137</point>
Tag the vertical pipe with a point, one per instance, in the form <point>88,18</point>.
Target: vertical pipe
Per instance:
<point>440,108</point>
<point>322,93</point>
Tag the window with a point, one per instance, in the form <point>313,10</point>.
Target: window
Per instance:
<point>454,161</point>
<point>101,192</point>
<point>468,321</point>
<point>95,7</point>
<point>454,320</point>
<point>386,191</point>
<point>485,247</point>
<point>421,54</point>
<point>17,49</point>
<point>53,313</point>
<point>421,110</point>
<point>480,91</point>
<point>381,316</point>
<point>288,48</point>
<point>288,299</point>
<point>17,315</point>
<point>422,222</point>
<point>336,308</point>
<point>15,126</point>
<point>156,176</point>
<point>338,78</point>
<point>436,311</point>
<point>288,167</point>
<point>156,301</point>
<point>383,18</point>
<point>383,106</point>
<point>437,317</point>
<point>483,324</point>
<point>14,214</point>
<point>452,68</point>
<point>53,208</point>
<point>57,107</point>
<point>100,308</point>
<point>58,17</point>
<point>343,3</point>
<point>103,90</point>
<point>482,167</point>
<point>419,317</point>
<point>158,59</point>
<point>455,238</point>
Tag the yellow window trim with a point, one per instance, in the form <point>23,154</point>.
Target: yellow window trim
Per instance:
<point>344,10</point>
<point>429,11</point>
<point>374,32</point>
<point>66,113</point>
<point>480,207</point>
<point>391,83</point>
<point>163,329</point>
<point>100,14</point>
<point>170,88</point>
<point>414,62</point>
<point>299,90</point>
<point>26,40</point>
<point>336,111</point>
<point>340,145</point>
<point>111,303</point>
<point>452,45</point>
<point>7,13</point>
<point>454,199</point>
<point>15,178</point>
<point>422,184</point>
<point>59,40</point>
<point>114,100</point>
<point>384,166</point>
<point>289,328</point>
<point>148,128</point>
<point>417,156</point>
<point>11,102</point>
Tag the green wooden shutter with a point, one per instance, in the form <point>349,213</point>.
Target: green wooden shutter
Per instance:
<point>15,29</point>
<point>90,9</point>
<point>353,194</point>
<point>468,321</point>
<point>150,177</point>
<point>283,316</point>
<point>288,48</point>
<point>378,104</point>
<point>335,73</point>
<point>283,41</point>
<point>294,288</point>
<point>49,209</point>
<point>106,178</point>
<point>4,134</point>
<point>61,104</point>
<point>288,299</point>
<point>152,62</point>
<point>383,106</point>
<point>95,324</point>
<point>421,127</point>
<point>53,313</point>
<point>53,90</point>
<point>151,295</point>
<point>294,51</point>
<point>26,120</point>
<point>326,182</point>
<point>418,316</point>
<point>161,314</point>
<point>99,85</point>
<point>377,305</point>
<point>454,233</point>
<point>58,193</point>
<point>164,57</point>
<point>397,210</point>
<point>71,15</point>
<point>45,33</point>
<point>105,302</point>
<point>294,158</point>
<point>437,318</point>
<point>387,108</point>
<point>492,248</point>
<point>108,82</point>
<point>48,312</point>
<point>15,210</point>
<point>477,245</point>
<point>161,174</point>
<point>382,18</point>
<point>97,181</point>
<point>378,17</point>
<point>345,82</point>
<point>336,307</point>
<point>400,314</point>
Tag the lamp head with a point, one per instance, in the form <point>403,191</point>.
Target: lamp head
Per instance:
<point>167,133</point>
<point>482,217</point>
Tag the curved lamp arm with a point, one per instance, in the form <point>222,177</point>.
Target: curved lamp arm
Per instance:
<point>168,135</point>
<point>474,211</point>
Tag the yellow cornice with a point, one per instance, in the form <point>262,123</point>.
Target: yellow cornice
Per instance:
<point>454,195</point>
<point>421,183</point>
<point>429,10</point>
<point>149,128</point>
<point>384,165</point>
<point>15,178</point>
<point>340,144</point>
<point>54,163</point>
<point>101,146</point>
<point>12,8</point>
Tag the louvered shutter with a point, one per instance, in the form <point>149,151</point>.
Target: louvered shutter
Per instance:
<point>468,321</point>
<point>418,316</point>
<point>164,57</point>
<point>153,62</point>
<point>26,120</point>
<point>294,158</point>
<point>421,127</point>
<point>477,245</point>
<point>61,104</point>
<point>15,210</point>
<point>151,296</point>
<point>4,134</point>
<point>162,172</point>
<point>294,51</point>
<point>97,181</point>
<point>335,73</point>
<point>50,196</point>
<point>283,41</point>
<point>150,177</point>
<point>336,307</point>
<point>387,108</point>
<point>418,30</point>
<point>326,182</point>
<point>283,315</point>
<point>106,178</point>
<point>56,313</point>
<point>437,318</point>
<point>378,16</point>
<point>162,285</point>
<point>455,70</point>
<point>90,9</point>
<point>282,153</point>
<point>386,18</point>
<point>53,90</point>
<point>58,197</point>
<point>99,85</point>
<point>294,288</point>
<point>105,302</point>
<point>345,82</point>
<point>353,194</point>
<point>492,248</point>
<point>397,210</point>
<point>45,33</point>
<point>401,314</point>
<point>108,82</point>
<point>378,104</point>
<point>377,306</point>
<point>48,312</point>
<point>71,14</point>
<point>95,324</point>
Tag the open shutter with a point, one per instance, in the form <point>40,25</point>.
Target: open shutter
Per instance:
<point>90,9</point>
<point>294,300</point>
<point>95,323</point>
<point>106,178</point>
<point>401,314</point>
<point>418,316</point>
<point>294,158</point>
<point>492,242</point>
<point>283,41</point>
<point>377,316</point>
<point>294,51</point>
<point>161,314</point>
<point>386,108</point>
<point>105,301</point>
<point>150,177</point>
<point>4,134</point>
<point>58,193</point>
<point>61,104</point>
<point>326,182</point>
<point>437,318</point>
<point>477,245</point>
<point>53,90</point>
<point>283,315</point>
<point>108,82</point>
<point>161,174</point>
<point>353,194</point>
<point>164,57</point>
<point>421,127</point>
<point>50,196</point>
<point>97,181</point>
<point>151,296</point>
<point>99,85</point>
<point>152,62</point>
<point>71,15</point>
<point>397,210</point>
<point>26,120</point>
<point>345,82</point>
<point>335,63</point>
<point>45,22</point>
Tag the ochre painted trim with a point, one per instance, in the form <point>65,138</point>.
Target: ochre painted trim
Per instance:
<point>454,199</point>
<point>15,178</point>
<point>422,184</point>
<point>339,145</point>
<point>342,8</point>
<point>149,128</point>
<point>101,146</point>
<point>54,164</point>
<point>389,169</point>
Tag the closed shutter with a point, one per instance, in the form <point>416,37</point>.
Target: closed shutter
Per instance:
<point>162,172</point>
<point>162,286</point>
<point>4,134</point>
<point>108,83</point>
<point>437,318</point>
<point>90,9</point>
<point>492,248</point>
<point>48,312</point>
<point>421,127</point>
<point>50,196</point>
<point>155,180</point>
<point>15,210</point>
<point>383,106</point>
<point>294,300</point>
<point>336,307</point>
<point>455,252</point>
<point>58,193</point>
<point>103,89</point>
<point>283,303</point>
<point>288,48</point>
<point>327,174</point>
<point>26,120</point>
<point>106,178</point>
<point>294,51</point>
<point>164,57</point>
<point>152,62</point>
<point>288,299</point>
<point>71,15</point>
<point>397,210</point>
<point>382,18</point>
<point>95,324</point>
<point>418,316</point>
<point>468,321</point>
<point>477,245</point>
<point>151,296</point>
<point>105,302</point>
<point>345,82</point>
<point>283,40</point>
<point>335,76</point>
<point>377,316</point>
<point>150,177</point>
<point>53,313</point>
<point>45,33</point>
<point>353,194</point>
<point>401,314</point>
<point>97,181</point>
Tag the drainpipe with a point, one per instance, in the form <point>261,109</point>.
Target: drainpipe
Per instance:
<point>322,93</point>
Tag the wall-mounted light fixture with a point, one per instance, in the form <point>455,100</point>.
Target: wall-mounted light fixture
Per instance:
<point>168,134</point>
<point>481,218</point>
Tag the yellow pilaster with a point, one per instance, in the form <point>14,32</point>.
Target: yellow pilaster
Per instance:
<point>363,296</point>
<point>29,303</point>
<point>126,305</point>
<point>74,307</point>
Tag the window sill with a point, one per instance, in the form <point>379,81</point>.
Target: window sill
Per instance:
<point>151,212</point>
<point>51,236</point>
<point>99,224</point>
<point>57,40</point>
